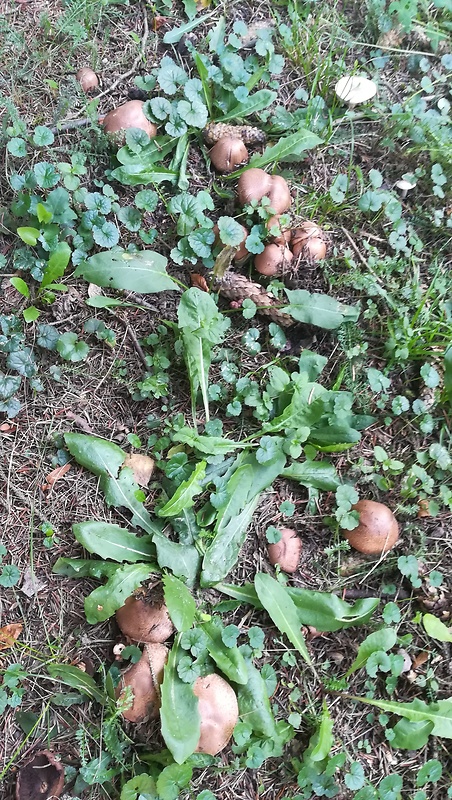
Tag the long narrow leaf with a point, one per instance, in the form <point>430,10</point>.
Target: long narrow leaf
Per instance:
<point>282,610</point>
<point>180,720</point>
<point>105,600</point>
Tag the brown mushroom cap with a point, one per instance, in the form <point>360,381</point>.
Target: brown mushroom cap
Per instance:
<point>42,777</point>
<point>287,551</point>
<point>143,622</point>
<point>144,678</point>
<point>279,195</point>
<point>87,79</point>
<point>242,252</point>
<point>283,236</point>
<point>272,259</point>
<point>129,115</point>
<point>253,184</point>
<point>228,153</point>
<point>219,712</point>
<point>308,241</point>
<point>378,529</point>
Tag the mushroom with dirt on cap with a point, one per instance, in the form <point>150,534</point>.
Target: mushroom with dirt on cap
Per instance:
<point>355,89</point>
<point>403,187</point>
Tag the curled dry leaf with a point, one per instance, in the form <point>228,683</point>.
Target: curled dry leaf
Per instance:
<point>31,584</point>
<point>199,281</point>
<point>142,467</point>
<point>423,509</point>
<point>9,634</point>
<point>42,777</point>
<point>55,476</point>
<point>93,290</point>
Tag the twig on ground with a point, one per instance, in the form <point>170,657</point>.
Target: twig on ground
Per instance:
<point>134,66</point>
<point>131,334</point>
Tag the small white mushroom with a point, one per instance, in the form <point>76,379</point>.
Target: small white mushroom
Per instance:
<point>403,187</point>
<point>354,89</point>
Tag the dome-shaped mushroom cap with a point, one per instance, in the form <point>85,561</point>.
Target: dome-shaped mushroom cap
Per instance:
<point>354,89</point>
<point>143,622</point>
<point>219,712</point>
<point>144,678</point>
<point>228,153</point>
<point>378,529</point>
<point>87,79</point>
<point>129,115</point>
<point>287,551</point>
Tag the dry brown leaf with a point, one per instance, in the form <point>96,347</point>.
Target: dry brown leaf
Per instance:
<point>55,476</point>
<point>31,585</point>
<point>198,281</point>
<point>420,659</point>
<point>158,22</point>
<point>7,428</point>
<point>423,509</point>
<point>141,466</point>
<point>93,290</point>
<point>9,634</point>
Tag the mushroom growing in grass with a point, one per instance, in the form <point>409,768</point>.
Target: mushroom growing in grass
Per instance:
<point>87,79</point>
<point>144,622</point>
<point>228,154</point>
<point>254,184</point>
<point>144,678</point>
<point>219,713</point>
<point>354,90</point>
<point>287,551</point>
<point>129,115</point>
<point>241,253</point>
<point>273,259</point>
<point>307,241</point>
<point>377,531</point>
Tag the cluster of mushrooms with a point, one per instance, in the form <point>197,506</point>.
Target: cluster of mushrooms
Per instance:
<point>149,624</point>
<point>376,533</point>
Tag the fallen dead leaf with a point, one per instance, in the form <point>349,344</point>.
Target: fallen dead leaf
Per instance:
<point>7,428</point>
<point>158,22</point>
<point>31,585</point>
<point>420,659</point>
<point>93,290</point>
<point>55,476</point>
<point>79,421</point>
<point>141,466</point>
<point>9,634</point>
<point>198,281</point>
<point>423,509</point>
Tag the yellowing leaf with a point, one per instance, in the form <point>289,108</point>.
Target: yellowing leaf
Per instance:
<point>9,634</point>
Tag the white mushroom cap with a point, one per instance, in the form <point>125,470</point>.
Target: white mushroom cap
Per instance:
<point>354,89</point>
<point>404,186</point>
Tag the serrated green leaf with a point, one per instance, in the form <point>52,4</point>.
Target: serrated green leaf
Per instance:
<point>228,659</point>
<point>183,560</point>
<point>143,272</point>
<point>111,541</point>
<point>282,610</point>
<point>97,455</point>
<point>255,102</point>
<point>440,713</point>
<point>313,474</point>
<point>105,600</point>
<point>318,309</point>
<point>179,602</point>
<point>288,148</point>
<point>254,704</point>
<point>84,568</point>
<point>184,494</point>
<point>411,735</point>
<point>77,679</point>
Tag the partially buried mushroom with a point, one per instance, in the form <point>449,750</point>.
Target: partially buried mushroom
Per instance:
<point>129,115</point>
<point>308,243</point>
<point>287,551</point>
<point>219,712</point>
<point>273,259</point>
<point>144,622</point>
<point>42,778</point>
<point>87,79</point>
<point>377,531</point>
<point>254,184</point>
<point>144,679</point>
<point>228,153</point>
